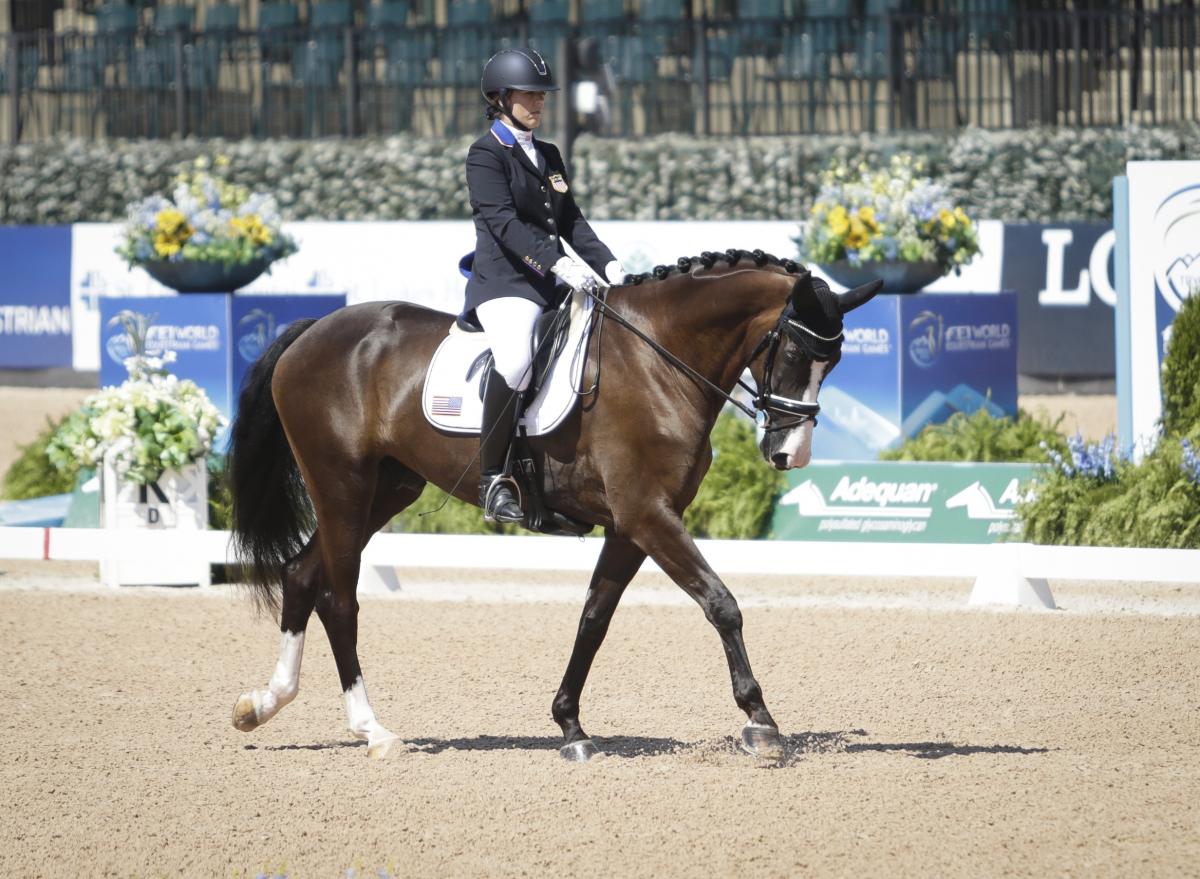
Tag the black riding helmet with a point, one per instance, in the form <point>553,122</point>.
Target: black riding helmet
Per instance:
<point>520,69</point>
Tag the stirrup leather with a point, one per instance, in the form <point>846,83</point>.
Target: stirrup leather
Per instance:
<point>498,482</point>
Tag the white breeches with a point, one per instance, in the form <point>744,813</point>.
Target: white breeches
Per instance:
<point>508,323</point>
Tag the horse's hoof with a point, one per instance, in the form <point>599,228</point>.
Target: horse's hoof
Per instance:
<point>245,715</point>
<point>762,742</point>
<point>579,752</point>
<point>379,746</point>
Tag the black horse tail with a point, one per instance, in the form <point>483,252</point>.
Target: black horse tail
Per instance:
<point>272,513</point>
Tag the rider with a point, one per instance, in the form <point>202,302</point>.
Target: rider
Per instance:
<point>522,205</point>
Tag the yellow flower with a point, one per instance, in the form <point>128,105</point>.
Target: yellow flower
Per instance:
<point>251,226</point>
<point>838,220</point>
<point>961,216</point>
<point>947,220</point>
<point>867,215</point>
<point>171,231</point>
<point>858,236</point>
<point>165,246</point>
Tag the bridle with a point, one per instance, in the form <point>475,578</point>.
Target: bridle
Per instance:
<point>764,398</point>
<point>816,346</point>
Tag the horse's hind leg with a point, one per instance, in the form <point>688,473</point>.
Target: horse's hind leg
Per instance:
<point>300,580</point>
<point>336,602</point>
<point>619,562</point>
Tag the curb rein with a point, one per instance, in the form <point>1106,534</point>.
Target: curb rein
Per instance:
<point>765,400</point>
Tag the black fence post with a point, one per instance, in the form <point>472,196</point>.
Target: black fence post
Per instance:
<point>13,65</point>
<point>566,105</point>
<point>180,92</point>
<point>701,31</point>
<point>351,82</point>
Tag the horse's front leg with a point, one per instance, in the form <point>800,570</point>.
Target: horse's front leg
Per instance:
<point>661,534</point>
<point>618,563</point>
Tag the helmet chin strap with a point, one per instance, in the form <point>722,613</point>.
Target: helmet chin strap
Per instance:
<point>507,107</point>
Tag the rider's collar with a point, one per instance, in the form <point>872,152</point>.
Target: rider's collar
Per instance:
<point>508,135</point>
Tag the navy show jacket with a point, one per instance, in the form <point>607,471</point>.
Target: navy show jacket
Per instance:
<point>520,212</point>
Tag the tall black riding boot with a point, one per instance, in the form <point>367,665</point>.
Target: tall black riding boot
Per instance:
<point>498,493</point>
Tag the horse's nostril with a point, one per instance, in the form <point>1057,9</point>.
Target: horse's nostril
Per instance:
<point>780,460</point>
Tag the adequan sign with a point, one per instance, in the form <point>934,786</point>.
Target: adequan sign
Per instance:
<point>901,502</point>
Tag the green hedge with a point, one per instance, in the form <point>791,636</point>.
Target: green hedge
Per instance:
<point>1047,174</point>
<point>1152,503</point>
<point>31,474</point>
<point>980,437</point>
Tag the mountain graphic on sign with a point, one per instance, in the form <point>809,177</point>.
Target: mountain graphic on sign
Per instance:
<point>979,503</point>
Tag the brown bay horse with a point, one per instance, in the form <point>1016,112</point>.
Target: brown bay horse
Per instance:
<point>330,443</point>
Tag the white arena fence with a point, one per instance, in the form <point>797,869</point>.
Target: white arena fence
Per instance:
<point>746,557</point>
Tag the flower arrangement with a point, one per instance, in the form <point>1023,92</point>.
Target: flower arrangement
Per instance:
<point>862,216</point>
<point>207,219</point>
<point>153,422</point>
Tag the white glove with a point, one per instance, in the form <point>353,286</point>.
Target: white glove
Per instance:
<point>615,272</point>
<point>575,275</point>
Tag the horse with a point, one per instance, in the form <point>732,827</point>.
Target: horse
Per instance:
<point>329,443</point>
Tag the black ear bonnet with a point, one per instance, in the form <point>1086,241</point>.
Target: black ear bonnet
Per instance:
<point>814,322</point>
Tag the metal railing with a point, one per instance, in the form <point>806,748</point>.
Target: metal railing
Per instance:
<point>748,76</point>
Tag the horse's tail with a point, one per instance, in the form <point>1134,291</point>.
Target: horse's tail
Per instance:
<point>272,513</point>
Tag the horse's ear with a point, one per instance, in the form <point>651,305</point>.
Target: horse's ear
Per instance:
<point>852,299</point>
<point>802,288</point>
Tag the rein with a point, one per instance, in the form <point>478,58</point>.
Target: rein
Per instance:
<point>765,400</point>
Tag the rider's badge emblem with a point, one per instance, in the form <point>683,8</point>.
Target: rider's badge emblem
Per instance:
<point>559,184</point>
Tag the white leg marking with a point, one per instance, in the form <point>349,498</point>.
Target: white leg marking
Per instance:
<point>363,724</point>
<point>257,707</point>
<point>285,682</point>
<point>798,445</point>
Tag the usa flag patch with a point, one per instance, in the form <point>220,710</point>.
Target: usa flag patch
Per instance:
<point>450,407</point>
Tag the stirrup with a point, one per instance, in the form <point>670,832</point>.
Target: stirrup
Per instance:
<point>489,499</point>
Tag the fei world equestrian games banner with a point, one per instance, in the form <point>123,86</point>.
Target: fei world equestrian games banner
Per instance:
<point>901,502</point>
<point>1060,273</point>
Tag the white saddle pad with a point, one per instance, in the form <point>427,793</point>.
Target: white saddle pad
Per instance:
<point>452,403</point>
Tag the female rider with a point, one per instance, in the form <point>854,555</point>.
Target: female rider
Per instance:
<point>523,210</point>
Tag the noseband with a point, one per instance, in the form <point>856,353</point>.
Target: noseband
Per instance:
<point>816,346</point>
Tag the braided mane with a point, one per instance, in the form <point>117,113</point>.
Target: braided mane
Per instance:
<point>710,258</point>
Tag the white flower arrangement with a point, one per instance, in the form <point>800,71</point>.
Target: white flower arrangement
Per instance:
<point>152,422</point>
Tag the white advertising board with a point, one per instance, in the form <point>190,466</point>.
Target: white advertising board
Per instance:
<point>1158,229</point>
<point>417,261</point>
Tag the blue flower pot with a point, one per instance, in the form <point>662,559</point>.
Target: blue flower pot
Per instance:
<point>897,277</point>
<point>204,276</point>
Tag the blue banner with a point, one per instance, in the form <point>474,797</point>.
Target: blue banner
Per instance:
<point>257,321</point>
<point>215,336</point>
<point>195,327</point>
<point>960,355</point>
<point>35,297</point>
<point>911,361</point>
